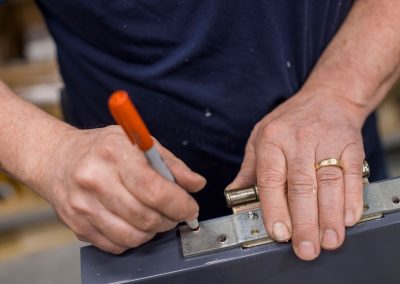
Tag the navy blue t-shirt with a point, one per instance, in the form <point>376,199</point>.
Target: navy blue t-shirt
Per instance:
<point>201,73</point>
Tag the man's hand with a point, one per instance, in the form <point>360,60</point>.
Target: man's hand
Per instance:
<point>324,121</point>
<point>104,189</point>
<point>310,207</point>
<point>100,185</point>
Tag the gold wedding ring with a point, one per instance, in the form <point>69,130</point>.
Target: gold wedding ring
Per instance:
<point>328,163</point>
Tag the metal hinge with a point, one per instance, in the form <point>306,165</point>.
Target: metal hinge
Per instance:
<point>245,227</point>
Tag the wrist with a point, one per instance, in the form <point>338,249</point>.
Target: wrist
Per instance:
<point>356,112</point>
<point>44,160</point>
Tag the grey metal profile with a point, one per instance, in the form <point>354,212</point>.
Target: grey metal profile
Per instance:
<point>370,254</point>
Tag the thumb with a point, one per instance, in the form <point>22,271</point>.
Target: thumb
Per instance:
<point>247,174</point>
<point>184,176</point>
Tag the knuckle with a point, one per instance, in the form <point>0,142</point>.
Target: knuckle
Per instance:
<point>74,227</point>
<point>353,169</point>
<point>150,222</point>
<point>300,187</point>
<point>300,167</point>
<point>353,136</point>
<point>142,238</point>
<point>301,183</point>
<point>271,177</point>
<point>156,197</point>
<point>149,179</point>
<point>154,189</point>
<point>85,174</point>
<point>138,239</point>
<point>302,133</point>
<point>329,176</point>
<point>79,206</point>
<point>106,150</point>
<point>113,129</point>
<point>114,249</point>
<point>126,237</point>
<point>82,238</point>
<point>270,129</point>
<point>83,233</point>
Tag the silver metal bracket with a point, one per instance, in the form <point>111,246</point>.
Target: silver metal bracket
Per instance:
<point>246,228</point>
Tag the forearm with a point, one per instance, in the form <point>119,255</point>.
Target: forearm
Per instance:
<point>362,62</point>
<point>27,136</point>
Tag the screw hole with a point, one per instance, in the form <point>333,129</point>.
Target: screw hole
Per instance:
<point>366,207</point>
<point>252,215</point>
<point>222,238</point>
<point>395,199</point>
<point>254,232</point>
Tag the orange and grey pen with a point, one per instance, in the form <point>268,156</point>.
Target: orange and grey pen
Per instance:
<point>126,115</point>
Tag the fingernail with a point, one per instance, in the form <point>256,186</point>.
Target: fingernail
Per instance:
<point>306,250</point>
<point>330,239</point>
<point>280,232</point>
<point>349,218</point>
<point>199,176</point>
<point>203,179</point>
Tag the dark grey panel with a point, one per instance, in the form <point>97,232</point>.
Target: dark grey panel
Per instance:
<point>371,254</point>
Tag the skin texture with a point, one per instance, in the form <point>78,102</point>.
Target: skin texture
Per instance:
<point>323,120</point>
<point>103,188</point>
<point>110,196</point>
<point>100,185</point>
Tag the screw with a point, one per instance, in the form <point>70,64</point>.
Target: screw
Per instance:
<point>222,238</point>
<point>252,215</point>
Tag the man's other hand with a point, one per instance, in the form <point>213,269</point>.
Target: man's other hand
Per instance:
<point>309,206</point>
<point>104,189</point>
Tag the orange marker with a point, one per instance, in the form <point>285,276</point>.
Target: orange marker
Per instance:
<point>126,115</point>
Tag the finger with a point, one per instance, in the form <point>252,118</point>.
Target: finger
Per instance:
<point>247,172</point>
<point>85,232</point>
<point>271,182</point>
<point>156,192</point>
<point>101,242</point>
<point>117,230</point>
<point>115,197</point>
<point>302,199</point>
<point>126,206</point>
<point>352,158</point>
<point>330,200</point>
